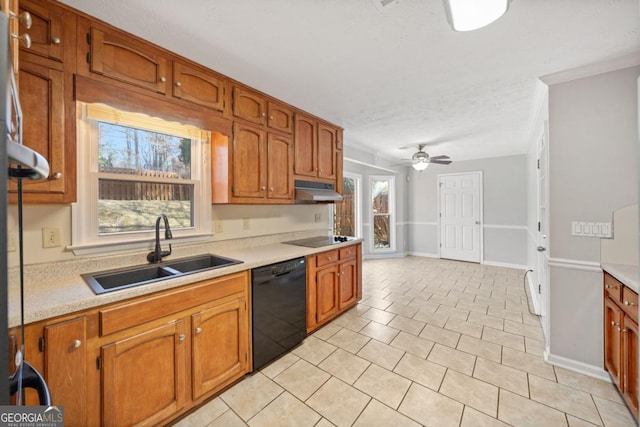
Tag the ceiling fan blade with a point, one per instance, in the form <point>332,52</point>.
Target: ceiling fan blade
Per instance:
<point>440,162</point>
<point>443,157</point>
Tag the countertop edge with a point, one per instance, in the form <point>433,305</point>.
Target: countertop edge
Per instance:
<point>626,274</point>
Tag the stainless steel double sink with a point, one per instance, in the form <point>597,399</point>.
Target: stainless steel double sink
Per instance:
<point>122,278</point>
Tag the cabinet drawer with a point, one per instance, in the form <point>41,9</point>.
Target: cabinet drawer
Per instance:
<point>630,303</point>
<point>348,252</point>
<point>146,309</point>
<point>326,258</point>
<point>613,288</point>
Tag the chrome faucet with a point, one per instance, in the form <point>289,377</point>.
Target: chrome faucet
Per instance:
<point>158,253</point>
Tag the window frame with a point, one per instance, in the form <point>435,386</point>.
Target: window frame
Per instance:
<point>391,213</point>
<point>85,236</point>
<point>357,204</point>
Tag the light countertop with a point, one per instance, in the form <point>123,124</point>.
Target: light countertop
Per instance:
<point>627,274</point>
<point>57,289</point>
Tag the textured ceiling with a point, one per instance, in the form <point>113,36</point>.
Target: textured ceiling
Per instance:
<point>392,76</point>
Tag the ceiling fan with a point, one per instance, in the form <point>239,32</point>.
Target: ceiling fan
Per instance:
<point>421,159</point>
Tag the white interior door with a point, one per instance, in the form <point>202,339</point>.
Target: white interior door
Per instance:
<point>461,216</point>
<point>543,223</point>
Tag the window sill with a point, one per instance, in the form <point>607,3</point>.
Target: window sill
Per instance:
<point>100,248</point>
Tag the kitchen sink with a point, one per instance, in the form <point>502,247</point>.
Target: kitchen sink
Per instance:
<point>122,278</point>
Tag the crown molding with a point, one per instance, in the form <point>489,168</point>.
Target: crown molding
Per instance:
<point>630,60</point>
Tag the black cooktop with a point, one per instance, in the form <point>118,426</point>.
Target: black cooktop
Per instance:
<point>319,241</point>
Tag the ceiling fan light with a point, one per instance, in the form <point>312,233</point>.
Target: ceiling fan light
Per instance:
<point>468,15</point>
<point>420,166</point>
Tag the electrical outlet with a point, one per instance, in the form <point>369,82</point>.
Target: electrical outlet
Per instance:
<point>318,217</point>
<point>12,241</point>
<point>218,226</point>
<point>245,224</point>
<point>50,237</point>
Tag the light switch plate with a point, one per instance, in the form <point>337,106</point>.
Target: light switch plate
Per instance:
<point>591,229</point>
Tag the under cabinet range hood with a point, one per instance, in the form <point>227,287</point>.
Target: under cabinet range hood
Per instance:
<point>316,192</point>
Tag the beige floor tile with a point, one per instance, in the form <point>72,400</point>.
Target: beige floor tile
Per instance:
<point>344,365</point>
<point>327,331</point>
<point>228,419</point>
<point>380,316</point>
<point>614,414</point>
<point>439,335</point>
<point>452,312</point>
<point>577,422</point>
<point>534,346</point>
<point>358,309</point>
<point>302,379</point>
<point>406,324</point>
<point>471,306</point>
<point>424,306</point>
<point>472,392</point>
<point>516,316</point>
<point>399,298</point>
<point>338,402</point>
<point>276,367</point>
<point>520,412</point>
<point>464,327</point>
<point>204,415</point>
<point>430,408</point>
<point>485,349</point>
<point>381,354</point>
<point>412,344</point>
<point>250,395</point>
<point>505,339</point>
<point>588,384</point>
<point>430,318</point>
<point>422,371</point>
<point>452,358</point>
<point>314,350</point>
<point>383,385</point>
<point>530,331</point>
<point>378,415</point>
<point>564,398</point>
<point>473,418</point>
<point>348,340</point>
<point>379,332</point>
<point>285,411</point>
<point>378,303</point>
<point>444,300</point>
<point>324,423</point>
<point>403,310</point>
<point>531,363</point>
<point>502,376</point>
<point>481,319</point>
<point>351,322</point>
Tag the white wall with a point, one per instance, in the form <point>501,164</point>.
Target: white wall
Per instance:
<point>504,208</point>
<point>593,171</point>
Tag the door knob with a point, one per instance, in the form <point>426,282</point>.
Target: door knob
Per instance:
<point>541,249</point>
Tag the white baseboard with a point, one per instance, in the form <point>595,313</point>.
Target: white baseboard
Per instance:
<point>387,255</point>
<point>505,264</point>
<point>423,254</point>
<point>580,367</point>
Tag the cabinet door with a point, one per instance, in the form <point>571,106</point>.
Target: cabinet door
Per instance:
<point>143,377</point>
<point>65,368</point>
<point>326,293</point>
<point>348,293</point>
<point>197,86</point>
<point>249,106</point>
<point>630,363</point>
<point>326,152</point>
<point>279,167</point>
<point>220,346</point>
<point>120,58</point>
<point>41,96</point>
<point>612,341</point>
<point>249,162</point>
<point>45,31</point>
<point>279,117</point>
<point>305,160</point>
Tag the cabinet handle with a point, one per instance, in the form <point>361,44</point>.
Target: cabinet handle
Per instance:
<point>271,189</point>
<point>329,258</point>
<point>163,79</point>
<point>181,337</point>
<point>629,303</point>
<point>607,286</point>
<point>24,39</point>
<point>263,188</point>
<point>178,84</point>
<point>55,40</point>
<point>621,330</point>
<point>613,323</point>
<point>24,18</point>
<point>198,330</point>
<point>270,117</point>
<point>263,114</point>
<point>56,175</point>
<point>77,343</point>
<point>338,274</point>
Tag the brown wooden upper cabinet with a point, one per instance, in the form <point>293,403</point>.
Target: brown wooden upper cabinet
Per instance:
<point>279,117</point>
<point>253,107</point>
<point>45,32</point>
<point>199,86</point>
<point>125,59</point>
<point>316,148</point>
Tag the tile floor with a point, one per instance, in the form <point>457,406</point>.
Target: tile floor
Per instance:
<point>433,342</point>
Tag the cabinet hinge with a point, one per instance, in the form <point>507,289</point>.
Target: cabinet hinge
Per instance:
<point>41,344</point>
<point>88,57</point>
<point>539,288</point>
<point>539,226</point>
<point>88,38</point>
<point>538,163</point>
<point>98,363</point>
<point>246,357</point>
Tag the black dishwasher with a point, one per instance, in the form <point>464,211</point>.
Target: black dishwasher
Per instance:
<point>279,309</point>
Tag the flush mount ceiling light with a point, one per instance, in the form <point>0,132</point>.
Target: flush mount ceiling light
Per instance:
<point>467,15</point>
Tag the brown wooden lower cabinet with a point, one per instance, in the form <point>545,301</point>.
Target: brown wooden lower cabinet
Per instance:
<point>621,339</point>
<point>334,284</point>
